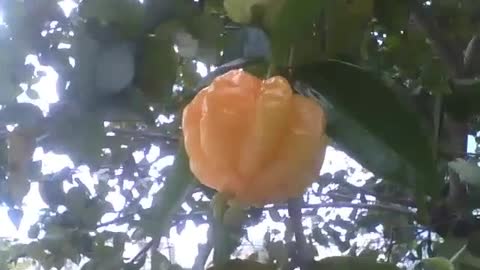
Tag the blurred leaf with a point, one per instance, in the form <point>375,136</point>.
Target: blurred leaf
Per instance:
<point>348,262</point>
<point>243,264</point>
<point>52,192</point>
<point>347,22</point>
<point>15,216</point>
<point>128,105</point>
<point>158,69</point>
<point>34,231</point>
<point>449,247</point>
<point>275,215</point>
<point>278,251</point>
<point>115,68</point>
<point>384,150</point>
<point>235,64</point>
<point>392,14</point>
<point>32,94</point>
<point>21,113</point>
<point>437,263</point>
<point>80,136</point>
<point>234,217</point>
<point>159,261</point>
<point>469,172</point>
<point>247,42</point>
<point>10,90</point>
<point>473,245</point>
<point>227,235</point>
<point>293,21</point>
<point>292,25</point>
<point>320,237</point>
<point>21,145</point>
<point>179,182</point>
<point>190,76</point>
<point>126,14</point>
<point>76,199</point>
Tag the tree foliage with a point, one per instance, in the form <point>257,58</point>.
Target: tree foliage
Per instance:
<point>398,80</point>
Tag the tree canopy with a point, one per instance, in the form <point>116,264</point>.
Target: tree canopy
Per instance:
<point>398,80</point>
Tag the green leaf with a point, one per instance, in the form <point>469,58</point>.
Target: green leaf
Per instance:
<point>348,262</point>
<point>372,126</point>
<point>178,184</point>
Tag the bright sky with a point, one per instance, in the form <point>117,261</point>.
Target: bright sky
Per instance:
<point>192,235</point>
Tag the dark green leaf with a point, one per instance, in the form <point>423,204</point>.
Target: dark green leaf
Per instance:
<point>393,144</point>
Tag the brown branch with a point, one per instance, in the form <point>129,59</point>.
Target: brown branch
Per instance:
<point>447,52</point>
